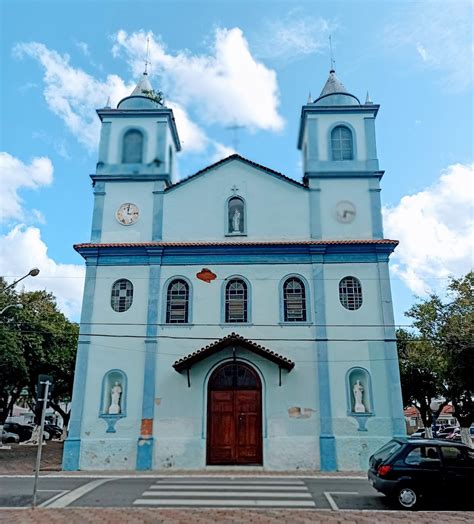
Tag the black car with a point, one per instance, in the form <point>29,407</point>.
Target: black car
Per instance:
<point>53,430</point>
<point>410,470</point>
<point>24,431</point>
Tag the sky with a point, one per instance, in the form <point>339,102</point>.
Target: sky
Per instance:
<point>227,64</point>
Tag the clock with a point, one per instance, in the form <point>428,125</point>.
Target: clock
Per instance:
<point>345,211</point>
<point>127,214</point>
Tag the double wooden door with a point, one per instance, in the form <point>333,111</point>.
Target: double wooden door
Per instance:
<point>234,428</point>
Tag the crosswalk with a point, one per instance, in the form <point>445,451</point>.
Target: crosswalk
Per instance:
<point>227,493</point>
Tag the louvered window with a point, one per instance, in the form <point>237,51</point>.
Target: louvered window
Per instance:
<point>294,300</point>
<point>122,295</point>
<point>341,143</point>
<point>236,301</point>
<point>177,303</point>
<point>350,293</point>
<point>132,152</point>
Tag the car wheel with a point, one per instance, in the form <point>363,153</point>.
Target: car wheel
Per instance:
<point>408,497</point>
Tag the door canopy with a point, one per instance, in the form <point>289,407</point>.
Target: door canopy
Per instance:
<point>233,341</point>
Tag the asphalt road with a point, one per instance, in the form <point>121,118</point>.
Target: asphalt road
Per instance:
<point>217,492</point>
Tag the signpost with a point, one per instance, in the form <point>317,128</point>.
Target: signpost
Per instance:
<point>45,383</point>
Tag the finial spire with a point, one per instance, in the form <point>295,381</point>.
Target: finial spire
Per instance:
<point>147,55</point>
<point>333,62</point>
<point>310,98</point>
<point>107,104</point>
<point>367,99</point>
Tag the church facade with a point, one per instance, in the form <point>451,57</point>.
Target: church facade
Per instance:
<point>237,316</point>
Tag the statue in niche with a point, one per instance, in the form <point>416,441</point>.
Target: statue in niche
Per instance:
<point>358,390</point>
<point>115,394</point>
<point>236,221</point>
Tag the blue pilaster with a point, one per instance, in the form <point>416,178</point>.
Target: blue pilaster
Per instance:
<point>327,443</point>
<point>98,213</point>
<point>375,208</point>
<point>72,445</point>
<point>146,441</point>
<point>315,209</point>
<point>371,147</point>
<point>390,353</point>
<point>157,229</point>
<point>104,142</point>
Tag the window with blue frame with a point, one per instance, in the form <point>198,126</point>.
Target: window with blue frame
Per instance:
<point>341,143</point>
<point>122,295</point>
<point>294,300</point>
<point>350,293</point>
<point>132,150</point>
<point>236,301</point>
<point>177,302</point>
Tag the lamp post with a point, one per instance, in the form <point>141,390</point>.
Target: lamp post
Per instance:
<point>434,406</point>
<point>31,273</point>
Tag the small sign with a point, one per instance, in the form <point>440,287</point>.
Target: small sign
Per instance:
<point>206,275</point>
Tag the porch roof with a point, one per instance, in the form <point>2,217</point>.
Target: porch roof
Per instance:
<point>189,360</point>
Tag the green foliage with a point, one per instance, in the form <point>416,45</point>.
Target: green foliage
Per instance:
<point>437,358</point>
<point>33,340</point>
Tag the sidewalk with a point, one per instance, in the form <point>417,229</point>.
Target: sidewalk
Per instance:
<point>211,516</point>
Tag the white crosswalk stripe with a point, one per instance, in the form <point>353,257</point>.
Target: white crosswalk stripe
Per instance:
<point>227,492</point>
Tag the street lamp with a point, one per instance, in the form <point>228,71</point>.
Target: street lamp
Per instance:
<point>31,273</point>
<point>434,406</point>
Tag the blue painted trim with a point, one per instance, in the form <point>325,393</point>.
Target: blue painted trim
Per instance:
<point>370,145</point>
<point>355,138</point>
<point>375,209</point>
<point>312,147</point>
<point>307,300</point>
<point>133,295</point>
<point>249,301</point>
<point>111,421</point>
<point>123,398</point>
<point>393,383</point>
<point>145,144</point>
<point>226,217</point>
<point>145,443</point>
<point>104,141</point>
<point>151,172</point>
<point>328,170</point>
<point>315,210</point>
<point>165,300</point>
<point>72,445</point>
<point>98,213</point>
<point>362,293</point>
<point>327,442</point>
<point>158,201</point>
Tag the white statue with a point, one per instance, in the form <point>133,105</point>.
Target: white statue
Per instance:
<point>115,394</point>
<point>358,391</point>
<point>236,221</point>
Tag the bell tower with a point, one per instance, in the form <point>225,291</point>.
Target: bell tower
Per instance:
<point>337,140</point>
<point>137,151</point>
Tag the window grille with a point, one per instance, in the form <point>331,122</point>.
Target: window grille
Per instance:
<point>236,301</point>
<point>341,143</point>
<point>234,376</point>
<point>177,303</point>
<point>132,152</point>
<point>236,216</point>
<point>122,295</point>
<point>294,300</point>
<point>350,293</point>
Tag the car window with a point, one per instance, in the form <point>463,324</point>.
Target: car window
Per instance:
<point>387,451</point>
<point>453,456</point>
<point>422,455</point>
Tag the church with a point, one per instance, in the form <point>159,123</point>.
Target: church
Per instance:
<point>236,317</point>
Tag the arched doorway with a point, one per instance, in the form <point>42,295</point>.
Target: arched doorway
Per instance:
<point>234,415</point>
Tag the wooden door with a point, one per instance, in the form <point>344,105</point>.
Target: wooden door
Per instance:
<point>234,426</point>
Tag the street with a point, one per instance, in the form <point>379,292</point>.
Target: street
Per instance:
<point>251,492</point>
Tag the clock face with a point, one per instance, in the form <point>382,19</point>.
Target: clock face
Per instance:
<point>127,214</point>
<point>345,212</point>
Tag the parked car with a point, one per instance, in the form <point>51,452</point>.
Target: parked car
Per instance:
<point>10,438</point>
<point>24,431</point>
<point>419,433</point>
<point>53,430</point>
<point>413,470</point>
<point>446,431</point>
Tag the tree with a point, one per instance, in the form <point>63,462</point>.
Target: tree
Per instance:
<point>38,339</point>
<point>437,359</point>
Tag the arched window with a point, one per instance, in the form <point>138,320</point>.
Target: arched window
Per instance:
<point>350,293</point>
<point>132,151</point>
<point>294,300</point>
<point>341,143</point>
<point>236,301</point>
<point>177,302</point>
<point>122,295</point>
<point>235,216</point>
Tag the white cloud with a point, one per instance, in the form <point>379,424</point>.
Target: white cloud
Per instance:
<point>440,34</point>
<point>15,175</point>
<point>221,151</point>
<point>192,137</point>
<point>296,35</point>
<point>72,94</point>
<point>435,228</point>
<point>24,249</point>
<point>227,86</point>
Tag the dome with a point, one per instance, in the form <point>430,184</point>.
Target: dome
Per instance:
<point>335,94</point>
<point>142,97</point>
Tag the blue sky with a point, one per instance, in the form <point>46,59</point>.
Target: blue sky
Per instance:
<point>246,63</point>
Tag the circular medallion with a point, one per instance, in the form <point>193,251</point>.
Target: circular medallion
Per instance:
<point>345,211</point>
<point>127,214</point>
